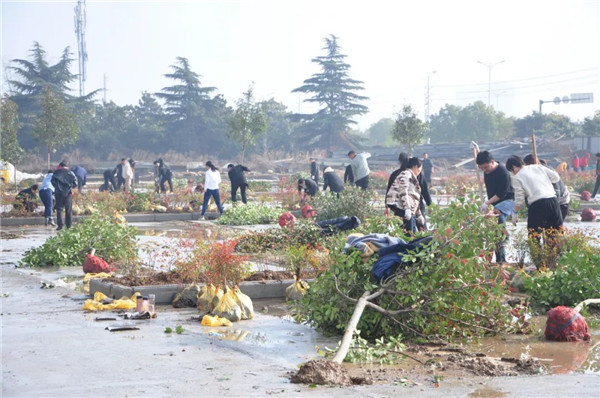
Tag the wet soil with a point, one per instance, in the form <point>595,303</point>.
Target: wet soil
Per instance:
<point>323,372</point>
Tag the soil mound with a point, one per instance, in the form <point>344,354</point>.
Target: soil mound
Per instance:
<point>324,372</point>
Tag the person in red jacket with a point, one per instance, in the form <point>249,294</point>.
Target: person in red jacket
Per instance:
<point>575,163</point>
<point>583,162</point>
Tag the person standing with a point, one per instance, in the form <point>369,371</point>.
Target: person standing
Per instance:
<point>314,170</point>
<point>119,175</point>
<point>348,175</point>
<point>534,184</point>
<point>584,162</point>
<point>597,186</point>
<point>127,172</point>
<point>47,197</point>
<point>404,195</point>
<point>562,193</point>
<point>164,175</point>
<point>64,182</point>
<point>81,175</point>
<point>499,192</point>
<point>332,181</point>
<point>575,163</point>
<point>212,180</point>
<point>427,168</point>
<point>238,180</point>
<point>360,168</point>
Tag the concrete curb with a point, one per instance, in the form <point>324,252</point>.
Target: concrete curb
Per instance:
<point>134,217</point>
<point>166,293</point>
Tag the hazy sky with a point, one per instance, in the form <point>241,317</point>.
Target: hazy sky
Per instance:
<point>551,48</point>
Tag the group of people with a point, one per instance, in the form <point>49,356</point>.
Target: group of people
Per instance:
<point>56,192</point>
<point>121,176</point>
<point>524,182</point>
<point>580,163</point>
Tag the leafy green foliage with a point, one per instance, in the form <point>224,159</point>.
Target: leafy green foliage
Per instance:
<point>115,243</point>
<point>304,233</point>
<point>408,129</point>
<point>447,290</point>
<point>248,122</point>
<point>249,214</point>
<point>384,351</point>
<point>10,150</point>
<point>353,201</point>
<point>576,276</point>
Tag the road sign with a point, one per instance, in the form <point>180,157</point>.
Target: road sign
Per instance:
<point>565,99</point>
<point>582,98</point>
<point>556,100</point>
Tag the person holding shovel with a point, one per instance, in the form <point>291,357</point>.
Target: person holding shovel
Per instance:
<point>499,192</point>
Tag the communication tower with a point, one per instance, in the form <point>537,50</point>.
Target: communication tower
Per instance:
<point>80,21</point>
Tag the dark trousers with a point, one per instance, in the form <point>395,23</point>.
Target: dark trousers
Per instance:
<point>363,183</point>
<point>168,180</point>
<point>544,214</point>
<point>564,210</point>
<point>234,189</point>
<point>48,201</point>
<point>597,186</point>
<point>215,194</point>
<point>120,182</point>
<point>66,203</point>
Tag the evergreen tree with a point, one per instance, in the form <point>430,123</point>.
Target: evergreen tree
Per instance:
<point>186,104</point>
<point>334,91</point>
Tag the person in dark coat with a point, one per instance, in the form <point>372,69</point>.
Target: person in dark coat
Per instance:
<point>332,181</point>
<point>238,180</point>
<point>64,182</point>
<point>425,195</point>
<point>109,181</point>
<point>26,198</point>
<point>306,188</point>
<point>314,170</point>
<point>164,175</point>
<point>119,175</point>
<point>349,175</point>
<point>81,175</point>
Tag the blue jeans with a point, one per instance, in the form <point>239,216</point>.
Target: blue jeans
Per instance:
<point>48,200</point>
<point>506,208</point>
<point>215,194</point>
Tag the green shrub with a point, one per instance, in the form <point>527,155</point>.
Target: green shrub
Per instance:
<point>250,214</point>
<point>448,290</point>
<point>352,202</point>
<point>115,243</point>
<point>305,232</point>
<point>575,278</point>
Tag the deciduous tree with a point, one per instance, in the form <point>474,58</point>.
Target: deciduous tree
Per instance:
<point>408,129</point>
<point>248,122</point>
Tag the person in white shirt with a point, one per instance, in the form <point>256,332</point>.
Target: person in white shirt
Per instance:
<point>211,184</point>
<point>360,168</point>
<point>127,175</point>
<point>534,183</point>
<point>47,195</point>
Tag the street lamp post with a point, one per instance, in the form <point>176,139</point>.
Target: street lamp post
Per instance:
<point>427,97</point>
<point>490,66</point>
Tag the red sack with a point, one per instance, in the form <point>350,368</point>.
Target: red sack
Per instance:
<point>308,211</point>
<point>94,265</point>
<point>287,220</point>
<point>588,214</point>
<point>586,195</point>
<point>564,324</point>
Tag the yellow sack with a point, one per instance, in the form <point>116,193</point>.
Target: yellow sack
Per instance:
<point>244,302</point>
<point>208,320</point>
<point>100,275</point>
<point>119,218</point>
<point>228,308</point>
<point>124,303</point>
<point>160,209</point>
<point>209,297</point>
<point>89,210</point>
<point>76,210</point>
<point>296,290</point>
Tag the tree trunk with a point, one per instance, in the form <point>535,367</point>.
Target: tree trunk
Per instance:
<point>48,159</point>
<point>347,339</point>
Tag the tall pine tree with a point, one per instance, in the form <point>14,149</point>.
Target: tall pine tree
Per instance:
<point>335,93</point>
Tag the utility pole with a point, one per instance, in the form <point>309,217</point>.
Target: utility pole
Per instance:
<point>490,65</point>
<point>104,90</point>
<point>80,22</point>
<point>427,96</point>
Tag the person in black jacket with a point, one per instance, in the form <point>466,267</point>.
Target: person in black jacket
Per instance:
<point>425,195</point>
<point>164,175</point>
<point>314,171</point>
<point>64,181</point>
<point>306,188</point>
<point>109,181</point>
<point>119,174</point>
<point>238,180</point>
<point>349,175</point>
<point>332,181</point>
